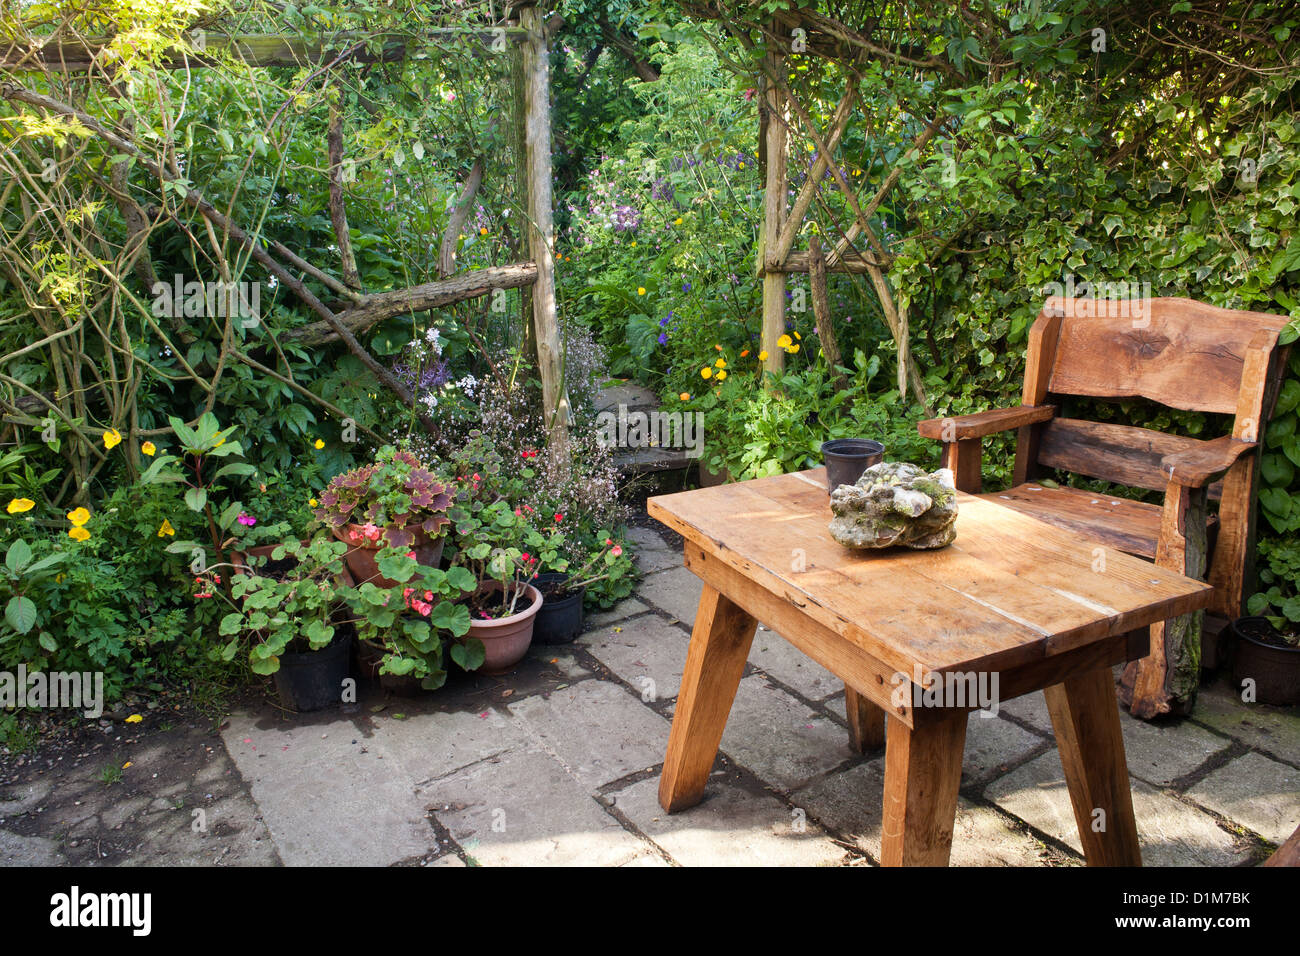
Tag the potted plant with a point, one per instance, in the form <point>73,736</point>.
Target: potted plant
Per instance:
<point>293,620</point>
<point>563,589</point>
<point>400,629</point>
<point>503,552</point>
<point>395,501</point>
<point>252,543</point>
<point>1267,645</point>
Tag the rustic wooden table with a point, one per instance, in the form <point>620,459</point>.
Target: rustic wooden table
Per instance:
<point>1016,599</point>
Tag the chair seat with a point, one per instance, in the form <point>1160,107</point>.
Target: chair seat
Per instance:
<point>1123,524</point>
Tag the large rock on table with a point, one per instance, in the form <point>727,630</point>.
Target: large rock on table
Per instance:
<point>895,503</point>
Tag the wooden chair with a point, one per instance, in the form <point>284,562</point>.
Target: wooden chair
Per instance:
<point>1177,353</point>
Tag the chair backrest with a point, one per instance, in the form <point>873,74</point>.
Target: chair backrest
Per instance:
<point>1175,352</point>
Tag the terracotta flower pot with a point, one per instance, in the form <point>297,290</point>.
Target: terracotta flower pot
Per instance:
<point>506,639</point>
<point>240,560</point>
<point>363,555</point>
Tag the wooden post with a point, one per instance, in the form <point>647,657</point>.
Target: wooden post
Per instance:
<point>774,211</point>
<point>519,144</point>
<point>541,228</point>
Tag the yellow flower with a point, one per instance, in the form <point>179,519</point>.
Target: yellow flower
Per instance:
<point>18,505</point>
<point>784,342</point>
<point>793,349</point>
<point>461,237</point>
<point>640,290</point>
<point>634,243</point>
<point>706,372</point>
<point>742,165</point>
<point>149,448</point>
<point>79,517</point>
<point>762,355</point>
<point>722,376</point>
<point>133,719</point>
<point>798,336</point>
<point>721,363</point>
<point>312,502</point>
<point>482,230</point>
<point>685,396</point>
<point>127,765</point>
<point>166,529</point>
<point>319,444</point>
<point>78,534</point>
<point>677,221</point>
<point>112,438</point>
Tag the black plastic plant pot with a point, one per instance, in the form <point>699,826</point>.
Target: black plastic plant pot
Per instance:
<point>314,680</point>
<point>1262,656</point>
<point>847,458</point>
<point>560,619</point>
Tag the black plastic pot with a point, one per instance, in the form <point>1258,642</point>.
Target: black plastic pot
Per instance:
<point>560,619</point>
<point>847,458</point>
<point>313,680</point>
<point>1274,668</point>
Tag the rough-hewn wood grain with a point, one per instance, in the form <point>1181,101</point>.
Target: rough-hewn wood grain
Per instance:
<point>980,424</point>
<point>1131,526</point>
<point>1177,352</point>
<point>962,458</point>
<point>1091,744</point>
<point>1041,353</point>
<point>866,721</point>
<point>922,776</point>
<point>1209,459</point>
<point>1165,682</point>
<point>715,660</point>
<point>1120,453</point>
<point>1010,591</point>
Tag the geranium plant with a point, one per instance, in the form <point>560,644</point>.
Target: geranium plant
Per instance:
<point>406,622</point>
<point>395,498</point>
<point>296,611</point>
<point>498,543</point>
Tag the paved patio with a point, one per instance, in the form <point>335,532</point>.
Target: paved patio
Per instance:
<point>558,764</point>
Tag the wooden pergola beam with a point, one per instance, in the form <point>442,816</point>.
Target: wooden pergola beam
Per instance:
<point>262,50</point>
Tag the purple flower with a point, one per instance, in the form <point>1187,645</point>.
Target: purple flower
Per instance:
<point>246,520</point>
<point>626,219</point>
<point>686,287</point>
<point>662,190</point>
<point>663,338</point>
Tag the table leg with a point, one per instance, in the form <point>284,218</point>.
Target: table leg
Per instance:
<point>719,647</point>
<point>866,721</point>
<point>922,776</point>
<point>1085,716</point>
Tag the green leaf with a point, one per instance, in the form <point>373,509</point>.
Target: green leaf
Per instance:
<point>469,655</point>
<point>18,556</point>
<point>196,498</point>
<point>20,612</point>
<point>265,666</point>
<point>47,641</point>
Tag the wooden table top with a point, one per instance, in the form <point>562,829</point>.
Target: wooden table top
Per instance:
<point>1010,590</point>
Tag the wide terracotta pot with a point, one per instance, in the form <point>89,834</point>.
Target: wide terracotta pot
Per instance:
<point>363,556</point>
<point>506,640</point>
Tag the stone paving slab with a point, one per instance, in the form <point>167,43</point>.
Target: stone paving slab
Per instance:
<point>676,591</point>
<point>624,608</point>
<point>780,739</point>
<point>599,730</point>
<point>428,746</point>
<point>1031,709</point>
<point>774,655</point>
<point>522,809</point>
<point>643,649</point>
<point>326,800</point>
<point>1261,794</point>
<point>730,827</point>
<point>850,803</point>
<point>993,745</point>
<point>1151,758</point>
<point>1170,832</point>
<point>1274,730</point>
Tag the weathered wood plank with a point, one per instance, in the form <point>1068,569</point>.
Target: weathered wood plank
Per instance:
<point>1123,454</point>
<point>922,776</point>
<point>1131,526</point>
<point>1196,466</point>
<point>866,721</point>
<point>1177,352</point>
<point>1043,335</point>
<point>1091,745</point>
<point>714,663</point>
<point>981,424</point>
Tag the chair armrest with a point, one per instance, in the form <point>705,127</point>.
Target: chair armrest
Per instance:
<point>1197,467</point>
<point>962,427</point>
